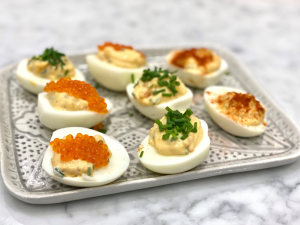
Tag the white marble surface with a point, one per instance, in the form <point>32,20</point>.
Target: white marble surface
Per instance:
<point>264,34</point>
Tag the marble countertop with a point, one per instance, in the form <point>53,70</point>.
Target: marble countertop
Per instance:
<point>264,35</point>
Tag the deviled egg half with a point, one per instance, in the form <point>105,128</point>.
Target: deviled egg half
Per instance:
<point>84,158</point>
<point>70,103</point>
<point>197,67</point>
<point>115,66</point>
<point>235,110</point>
<point>156,90</point>
<point>176,143</point>
<point>33,74</point>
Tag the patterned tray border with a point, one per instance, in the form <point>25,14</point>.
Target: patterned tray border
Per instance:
<point>287,125</point>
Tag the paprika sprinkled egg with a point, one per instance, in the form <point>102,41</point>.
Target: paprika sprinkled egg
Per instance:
<point>236,111</point>
<point>197,67</point>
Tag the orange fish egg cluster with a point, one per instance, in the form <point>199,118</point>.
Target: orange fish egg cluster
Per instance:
<point>98,126</point>
<point>79,89</point>
<point>82,147</point>
<point>117,47</point>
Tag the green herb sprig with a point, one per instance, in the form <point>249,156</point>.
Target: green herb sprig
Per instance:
<point>162,74</point>
<point>142,153</point>
<point>177,123</point>
<point>52,56</point>
<point>102,131</point>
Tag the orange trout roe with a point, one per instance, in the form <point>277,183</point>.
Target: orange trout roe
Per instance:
<point>79,89</point>
<point>98,126</point>
<point>82,147</point>
<point>117,47</point>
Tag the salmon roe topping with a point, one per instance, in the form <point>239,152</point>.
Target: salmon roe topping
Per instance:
<point>82,147</point>
<point>202,56</point>
<point>79,89</point>
<point>117,47</point>
<point>98,126</point>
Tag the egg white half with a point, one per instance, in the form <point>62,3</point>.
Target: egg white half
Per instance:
<point>226,123</point>
<point>57,119</point>
<point>195,80</point>
<point>35,84</point>
<point>112,77</point>
<point>158,163</point>
<point>118,163</point>
<point>158,111</point>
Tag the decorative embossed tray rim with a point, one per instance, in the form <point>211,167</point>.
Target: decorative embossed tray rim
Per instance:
<point>211,170</point>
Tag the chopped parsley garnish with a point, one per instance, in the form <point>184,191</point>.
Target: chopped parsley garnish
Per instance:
<point>178,124</point>
<point>66,72</point>
<point>159,91</point>
<point>163,83</point>
<point>102,131</point>
<point>136,84</point>
<point>142,153</point>
<point>172,79</point>
<point>131,114</point>
<point>227,73</point>
<point>96,85</point>
<point>52,56</point>
<point>132,78</point>
<point>161,74</point>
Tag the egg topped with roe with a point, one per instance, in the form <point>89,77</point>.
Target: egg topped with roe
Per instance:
<point>69,102</point>
<point>83,157</point>
<point>197,67</point>
<point>115,66</point>
<point>236,111</point>
<point>33,74</point>
<point>156,90</point>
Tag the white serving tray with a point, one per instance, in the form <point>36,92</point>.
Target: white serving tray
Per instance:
<point>24,139</point>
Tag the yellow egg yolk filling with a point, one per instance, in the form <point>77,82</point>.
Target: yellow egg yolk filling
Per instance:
<point>170,146</point>
<point>45,70</point>
<point>74,95</point>
<point>197,61</point>
<point>145,92</point>
<point>242,108</point>
<point>121,56</point>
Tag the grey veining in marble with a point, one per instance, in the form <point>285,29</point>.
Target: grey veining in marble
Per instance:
<point>264,35</point>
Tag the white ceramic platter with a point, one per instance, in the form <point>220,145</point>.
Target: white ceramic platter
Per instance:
<point>25,139</point>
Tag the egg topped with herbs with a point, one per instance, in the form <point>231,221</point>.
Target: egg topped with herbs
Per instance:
<point>69,102</point>
<point>176,143</point>
<point>33,74</point>
<point>115,65</point>
<point>83,157</point>
<point>157,89</point>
